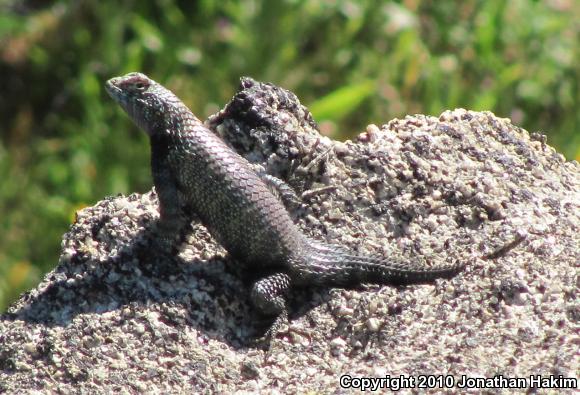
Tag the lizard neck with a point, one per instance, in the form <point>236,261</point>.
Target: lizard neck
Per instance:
<point>172,136</point>
<point>177,121</point>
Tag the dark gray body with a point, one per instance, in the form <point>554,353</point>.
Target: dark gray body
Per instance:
<point>194,168</point>
<point>229,197</point>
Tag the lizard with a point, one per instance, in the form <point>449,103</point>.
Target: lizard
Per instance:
<point>195,171</point>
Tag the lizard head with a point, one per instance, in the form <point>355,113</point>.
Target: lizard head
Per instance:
<point>144,100</point>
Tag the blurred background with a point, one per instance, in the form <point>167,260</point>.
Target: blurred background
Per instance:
<point>65,145</point>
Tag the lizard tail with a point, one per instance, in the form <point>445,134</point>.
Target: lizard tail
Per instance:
<point>342,267</point>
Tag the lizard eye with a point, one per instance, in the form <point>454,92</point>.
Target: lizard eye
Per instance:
<point>134,85</point>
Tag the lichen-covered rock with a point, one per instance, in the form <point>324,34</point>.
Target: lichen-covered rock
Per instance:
<point>467,186</point>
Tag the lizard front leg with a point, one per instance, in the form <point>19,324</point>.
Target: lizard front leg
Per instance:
<point>171,219</point>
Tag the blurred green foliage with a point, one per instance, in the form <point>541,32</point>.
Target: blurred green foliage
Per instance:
<point>65,145</point>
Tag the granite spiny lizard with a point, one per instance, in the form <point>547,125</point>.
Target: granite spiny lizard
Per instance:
<point>193,168</point>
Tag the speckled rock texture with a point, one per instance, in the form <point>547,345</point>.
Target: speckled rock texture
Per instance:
<point>117,316</point>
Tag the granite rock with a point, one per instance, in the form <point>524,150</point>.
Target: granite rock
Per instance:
<point>115,315</point>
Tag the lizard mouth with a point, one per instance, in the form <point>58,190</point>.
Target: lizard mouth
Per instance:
<point>113,90</point>
<point>118,95</point>
<point>132,107</point>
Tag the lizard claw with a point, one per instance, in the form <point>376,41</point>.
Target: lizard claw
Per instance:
<point>280,321</point>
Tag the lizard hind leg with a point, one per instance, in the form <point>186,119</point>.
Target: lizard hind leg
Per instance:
<point>269,297</point>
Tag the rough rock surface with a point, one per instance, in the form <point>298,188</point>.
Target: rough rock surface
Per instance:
<point>116,316</point>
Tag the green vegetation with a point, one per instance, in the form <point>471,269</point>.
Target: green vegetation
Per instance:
<point>65,145</point>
